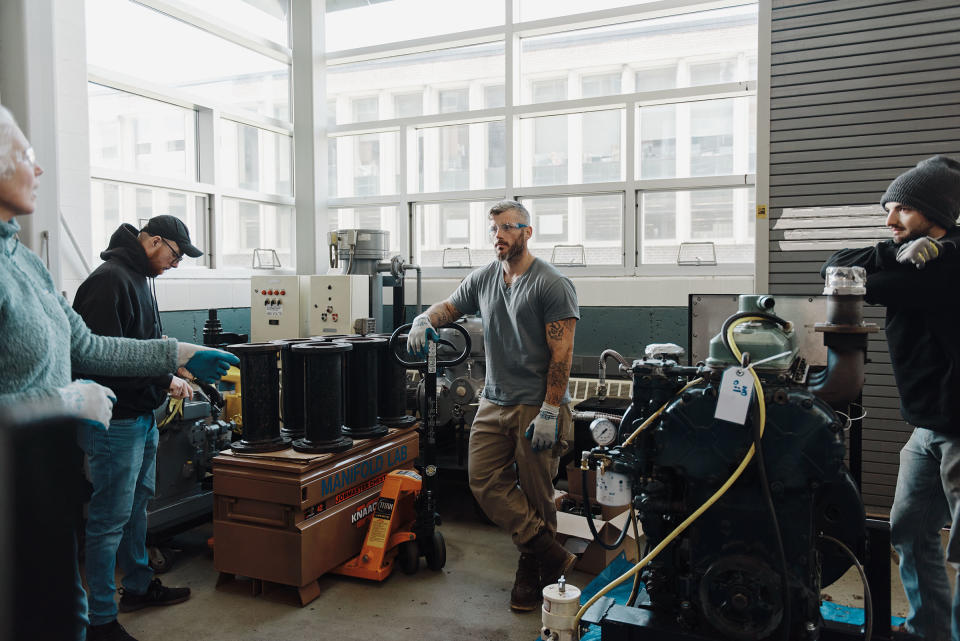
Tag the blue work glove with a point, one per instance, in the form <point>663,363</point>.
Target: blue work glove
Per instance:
<point>421,332</point>
<point>90,401</point>
<point>920,251</point>
<point>544,430</point>
<point>209,365</point>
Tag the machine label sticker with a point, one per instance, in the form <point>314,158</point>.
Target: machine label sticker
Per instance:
<point>380,526</point>
<point>359,489</point>
<point>358,517</point>
<point>736,389</point>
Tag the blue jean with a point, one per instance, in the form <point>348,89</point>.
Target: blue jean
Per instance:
<point>123,465</point>
<point>926,499</point>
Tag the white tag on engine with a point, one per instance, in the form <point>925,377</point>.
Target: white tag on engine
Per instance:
<point>736,389</point>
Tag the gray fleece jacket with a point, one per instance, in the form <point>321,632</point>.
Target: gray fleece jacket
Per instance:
<point>42,337</point>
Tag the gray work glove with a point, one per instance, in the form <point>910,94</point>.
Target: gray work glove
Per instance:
<point>920,251</point>
<point>90,401</point>
<point>421,332</point>
<point>544,429</point>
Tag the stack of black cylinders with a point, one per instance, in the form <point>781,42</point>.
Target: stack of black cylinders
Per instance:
<point>260,380</point>
<point>362,385</point>
<point>392,387</point>
<point>323,397</point>
<point>291,388</point>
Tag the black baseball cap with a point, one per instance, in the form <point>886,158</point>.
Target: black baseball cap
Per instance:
<point>172,228</point>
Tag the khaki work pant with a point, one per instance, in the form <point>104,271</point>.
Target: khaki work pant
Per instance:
<point>517,498</point>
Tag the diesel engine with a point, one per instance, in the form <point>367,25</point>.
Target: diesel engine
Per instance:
<point>735,469</point>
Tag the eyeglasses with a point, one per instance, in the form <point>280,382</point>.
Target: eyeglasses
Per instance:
<point>505,227</point>
<point>177,257</point>
<point>27,156</point>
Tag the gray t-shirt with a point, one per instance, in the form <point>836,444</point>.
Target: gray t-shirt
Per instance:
<point>514,326</point>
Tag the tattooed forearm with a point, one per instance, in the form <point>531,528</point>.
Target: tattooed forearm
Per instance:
<point>558,375</point>
<point>442,313</point>
<point>560,342</point>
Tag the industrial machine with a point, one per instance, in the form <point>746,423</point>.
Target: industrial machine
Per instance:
<point>347,299</point>
<point>191,434</point>
<point>735,468</point>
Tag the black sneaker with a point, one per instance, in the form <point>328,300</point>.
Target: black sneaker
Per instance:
<point>156,594</point>
<point>112,631</point>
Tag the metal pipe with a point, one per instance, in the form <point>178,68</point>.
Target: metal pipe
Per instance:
<point>602,384</point>
<point>419,285</point>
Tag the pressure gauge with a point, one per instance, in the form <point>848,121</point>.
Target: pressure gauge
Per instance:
<point>603,430</point>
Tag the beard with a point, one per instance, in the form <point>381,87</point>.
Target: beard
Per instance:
<point>513,250</point>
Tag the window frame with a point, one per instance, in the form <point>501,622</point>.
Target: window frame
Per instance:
<point>515,110</point>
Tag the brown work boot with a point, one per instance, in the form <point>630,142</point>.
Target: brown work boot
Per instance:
<point>525,595</point>
<point>554,559</point>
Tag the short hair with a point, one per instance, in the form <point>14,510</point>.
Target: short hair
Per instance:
<point>8,131</point>
<point>507,205</point>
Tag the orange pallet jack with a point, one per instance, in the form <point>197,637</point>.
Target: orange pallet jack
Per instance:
<point>391,531</point>
<point>405,518</point>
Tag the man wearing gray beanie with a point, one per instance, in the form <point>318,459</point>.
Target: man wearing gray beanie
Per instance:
<point>915,275</point>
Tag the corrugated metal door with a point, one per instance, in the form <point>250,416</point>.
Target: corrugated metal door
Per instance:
<point>861,90</point>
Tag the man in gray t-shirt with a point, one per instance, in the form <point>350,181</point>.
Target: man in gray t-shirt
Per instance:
<point>523,425</point>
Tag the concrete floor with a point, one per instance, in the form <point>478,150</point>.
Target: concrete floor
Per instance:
<point>468,599</point>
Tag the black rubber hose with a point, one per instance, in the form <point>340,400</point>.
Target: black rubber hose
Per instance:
<point>768,500</point>
<point>739,315</point>
<point>593,528</point>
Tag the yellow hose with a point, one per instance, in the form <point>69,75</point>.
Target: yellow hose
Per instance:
<point>706,505</point>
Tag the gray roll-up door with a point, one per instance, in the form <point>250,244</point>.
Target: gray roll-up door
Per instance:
<point>855,101</point>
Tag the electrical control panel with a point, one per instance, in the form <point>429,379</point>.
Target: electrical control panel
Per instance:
<point>275,308</point>
<point>304,306</point>
<point>335,302</point>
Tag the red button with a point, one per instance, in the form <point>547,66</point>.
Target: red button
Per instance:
<point>263,291</point>
<point>270,292</point>
<point>283,292</point>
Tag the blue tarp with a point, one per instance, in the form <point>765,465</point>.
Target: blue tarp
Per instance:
<point>830,611</point>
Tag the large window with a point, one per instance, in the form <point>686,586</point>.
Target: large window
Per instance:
<point>631,143</point>
<point>201,130</point>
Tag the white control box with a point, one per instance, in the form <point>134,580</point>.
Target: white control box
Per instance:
<point>275,310</point>
<point>335,301</point>
<point>304,306</point>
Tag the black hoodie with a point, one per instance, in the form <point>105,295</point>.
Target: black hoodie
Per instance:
<point>115,300</point>
<point>921,327</point>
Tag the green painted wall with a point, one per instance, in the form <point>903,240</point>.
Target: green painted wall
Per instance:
<point>187,325</point>
<point>625,329</point>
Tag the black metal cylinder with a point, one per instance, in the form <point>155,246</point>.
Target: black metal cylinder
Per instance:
<point>392,388</point>
<point>291,388</point>
<point>260,402</point>
<point>361,388</point>
<point>333,337</point>
<point>323,397</point>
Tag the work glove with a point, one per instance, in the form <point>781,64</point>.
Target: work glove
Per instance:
<point>920,251</point>
<point>90,401</point>
<point>544,429</point>
<point>207,365</point>
<point>421,332</point>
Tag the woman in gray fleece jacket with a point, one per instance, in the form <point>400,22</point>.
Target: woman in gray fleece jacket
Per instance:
<point>43,338</point>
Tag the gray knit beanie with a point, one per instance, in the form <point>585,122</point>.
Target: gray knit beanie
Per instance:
<point>932,187</point>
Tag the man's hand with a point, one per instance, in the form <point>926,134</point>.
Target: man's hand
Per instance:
<point>205,364</point>
<point>421,332</point>
<point>179,388</point>
<point>920,251</point>
<point>544,430</point>
<point>90,401</point>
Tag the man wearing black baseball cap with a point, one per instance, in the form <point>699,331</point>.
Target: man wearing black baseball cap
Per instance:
<point>915,274</point>
<point>116,300</point>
